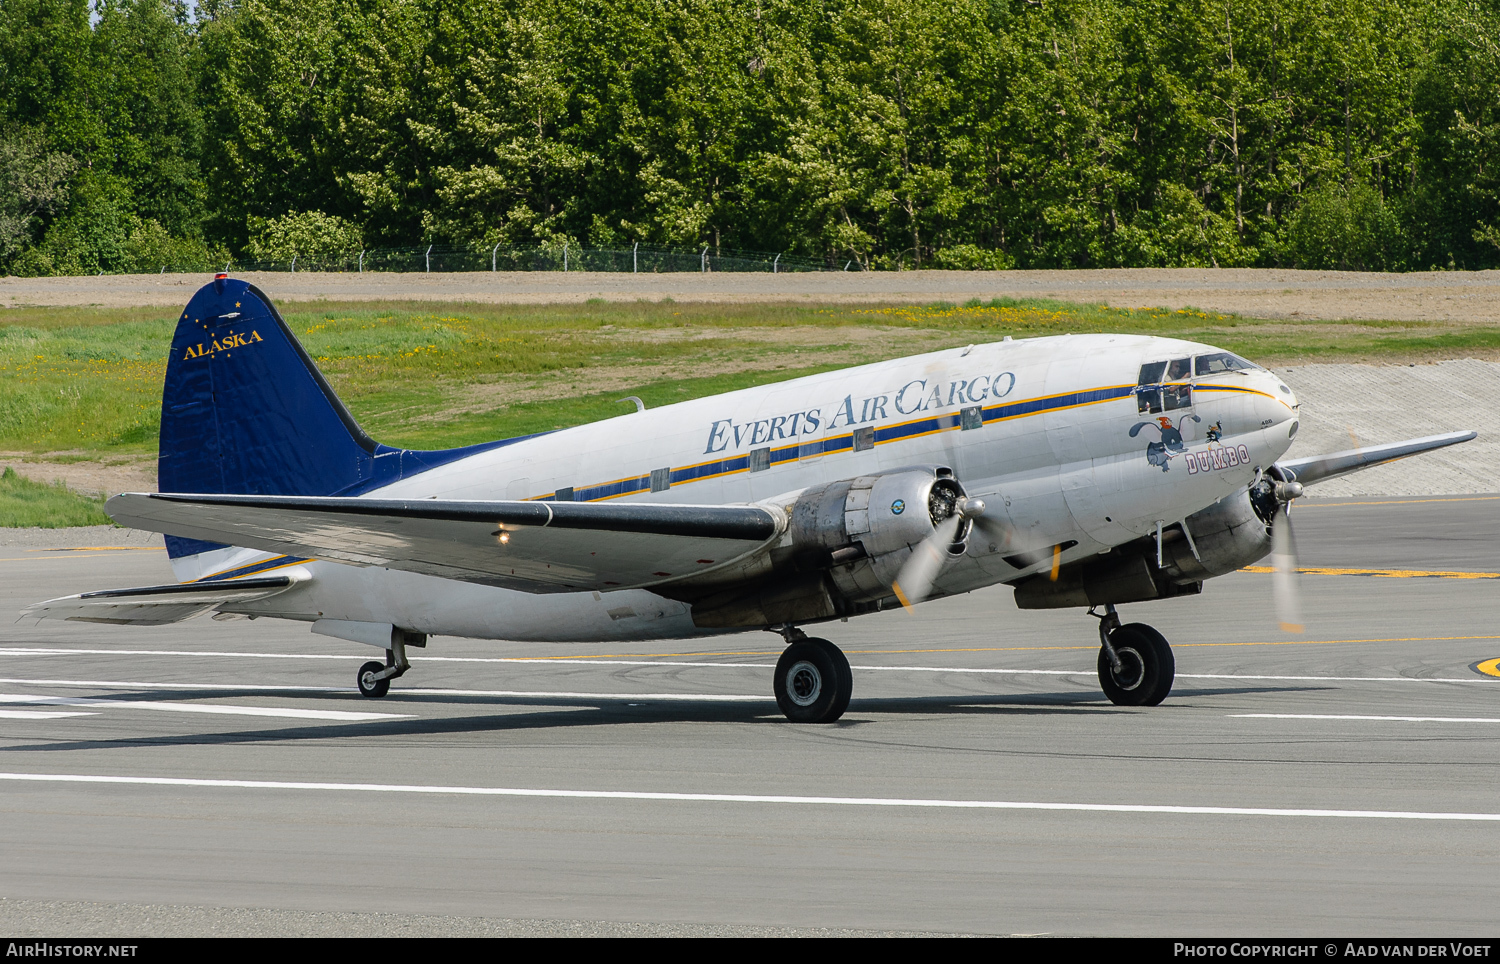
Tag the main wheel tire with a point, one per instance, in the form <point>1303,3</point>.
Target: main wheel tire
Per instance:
<point>813,682</point>
<point>845,676</point>
<point>369,685</point>
<point>1147,668</point>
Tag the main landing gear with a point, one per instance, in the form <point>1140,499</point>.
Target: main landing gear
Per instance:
<point>813,679</point>
<point>1136,667</point>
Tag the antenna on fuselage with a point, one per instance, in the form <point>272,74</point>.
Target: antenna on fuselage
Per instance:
<point>640,406</point>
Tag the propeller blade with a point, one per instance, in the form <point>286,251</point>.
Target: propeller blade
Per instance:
<point>998,530</point>
<point>915,580</point>
<point>1284,579</point>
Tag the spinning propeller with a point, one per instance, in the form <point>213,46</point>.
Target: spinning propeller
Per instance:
<point>1284,556</point>
<point>915,579</point>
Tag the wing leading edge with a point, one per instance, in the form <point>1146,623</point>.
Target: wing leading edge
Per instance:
<point>531,546</point>
<point>1320,468</point>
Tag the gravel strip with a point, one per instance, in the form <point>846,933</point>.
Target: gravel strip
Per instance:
<point>1255,292</point>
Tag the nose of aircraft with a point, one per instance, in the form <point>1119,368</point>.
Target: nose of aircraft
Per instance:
<point>1283,393</point>
<point>1278,402</point>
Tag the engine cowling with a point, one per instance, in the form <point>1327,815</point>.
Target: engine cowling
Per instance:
<point>868,525</point>
<point>1228,535</point>
<point>846,543</point>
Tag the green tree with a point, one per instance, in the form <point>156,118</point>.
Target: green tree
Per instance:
<point>1343,228</point>
<point>502,171</point>
<point>33,182</point>
<point>972,133</point>
<point>310,236</point>
<point>117,97</point>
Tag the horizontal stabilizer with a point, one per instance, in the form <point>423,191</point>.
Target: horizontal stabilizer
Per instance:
<point>531,546</point>
<point>159,605</point>
<point>1323,467</point>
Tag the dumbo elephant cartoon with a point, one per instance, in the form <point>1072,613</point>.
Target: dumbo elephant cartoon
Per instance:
<point>1161,452</point>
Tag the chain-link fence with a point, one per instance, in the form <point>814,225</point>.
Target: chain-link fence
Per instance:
<point>638,258</point>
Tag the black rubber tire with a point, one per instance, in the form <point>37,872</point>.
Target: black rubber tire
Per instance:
<point>813,682</point>
<point>845,676</point>
<point>373,688</point>
<point>1148,669</point>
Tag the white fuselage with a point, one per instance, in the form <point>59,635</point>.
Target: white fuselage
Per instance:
<point>1054,456</point>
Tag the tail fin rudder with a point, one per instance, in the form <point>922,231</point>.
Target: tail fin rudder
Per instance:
<point>244,409</point>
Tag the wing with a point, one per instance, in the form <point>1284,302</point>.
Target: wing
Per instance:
<point>1323,467</point>
<point>531,546</point>
<point>159,605</point>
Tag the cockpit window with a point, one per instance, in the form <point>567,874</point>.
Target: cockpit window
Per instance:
<point>1221,361</point>
<point>1152,396</point>
<point>1151,372</point>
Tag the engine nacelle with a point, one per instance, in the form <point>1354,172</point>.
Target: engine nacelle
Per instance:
<point>848,541</point>
<point>868,526</point>
<point>1228,535</point>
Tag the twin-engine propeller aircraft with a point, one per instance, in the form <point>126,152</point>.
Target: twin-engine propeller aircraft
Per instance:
<point>1083,470</point>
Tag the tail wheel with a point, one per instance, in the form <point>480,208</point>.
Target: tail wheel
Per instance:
<point>369,683</point>
<point>1147,668</point>
<point>813,682</point>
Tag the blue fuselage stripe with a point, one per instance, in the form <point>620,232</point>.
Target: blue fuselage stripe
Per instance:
<point>841,443</point>
<point>790,453</point>
<point>253,568</point>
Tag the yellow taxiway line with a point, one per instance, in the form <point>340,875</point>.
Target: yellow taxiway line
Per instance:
<point>1383,573</point>
<point>1488,667</point>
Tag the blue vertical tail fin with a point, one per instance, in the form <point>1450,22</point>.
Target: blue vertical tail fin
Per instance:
<point>245,411</point>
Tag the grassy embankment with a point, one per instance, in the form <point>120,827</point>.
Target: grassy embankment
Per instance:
<point>27,503</point>
<point>84,384</point>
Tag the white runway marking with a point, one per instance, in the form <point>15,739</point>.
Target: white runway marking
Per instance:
<point>44,651</point>
<point>753,798</point>
<point>126,684</point>
<point>562,695</point>
<point>1339,716</point>
<point>554,661</point>
<point>38,714</point>
<point>404,691</point>
<point>1339,679</point>
<point>1091,673</point>
<point>215,708</point>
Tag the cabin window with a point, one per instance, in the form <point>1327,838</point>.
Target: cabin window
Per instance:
<point>864,439</point>
<point>564,494</point>
<point>760,460</point>
<point>661,480</point>
<point>971,418</point>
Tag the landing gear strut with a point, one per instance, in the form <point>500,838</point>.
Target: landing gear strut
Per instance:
<point>375,678</point>
<point>813,680</point>
<point>1136,667</point>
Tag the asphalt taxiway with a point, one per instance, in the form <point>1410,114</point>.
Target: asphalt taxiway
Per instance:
<point>224,777</point>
